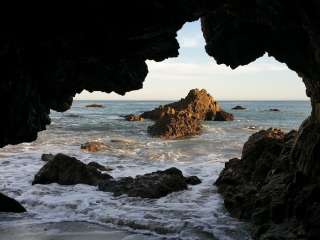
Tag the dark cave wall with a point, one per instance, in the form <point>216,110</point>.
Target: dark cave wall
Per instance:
<point>49,53</point>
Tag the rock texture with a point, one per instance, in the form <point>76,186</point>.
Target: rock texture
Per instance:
<point>8,204</point>
<point>183,118</point>
<point>152,185</point>
<point>99,166</point>
<point>94,146</point>
<point>173,126</point>
<point>267,188</point>
<point>66,170</point>
<point>134,118</point>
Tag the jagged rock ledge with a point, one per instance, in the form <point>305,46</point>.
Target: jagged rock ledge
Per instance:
<point>267,188</point>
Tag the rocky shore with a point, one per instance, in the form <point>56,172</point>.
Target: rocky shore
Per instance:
<point>66,170</point>
<point>267,188</point>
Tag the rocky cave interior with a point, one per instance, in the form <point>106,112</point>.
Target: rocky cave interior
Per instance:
<point>100,46</point>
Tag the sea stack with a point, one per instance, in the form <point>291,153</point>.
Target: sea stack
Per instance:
<point>183,118</point>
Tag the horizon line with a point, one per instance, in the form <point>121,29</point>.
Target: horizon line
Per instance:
<point>177,99</point>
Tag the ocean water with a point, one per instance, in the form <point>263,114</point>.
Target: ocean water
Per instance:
<point>196,213</point>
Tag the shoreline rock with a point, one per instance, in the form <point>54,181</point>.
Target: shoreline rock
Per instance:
<point>10,205</point>
<point>151,185</point>
<point>99,166</point>
<point>66,170</point>
<point>267,188</point>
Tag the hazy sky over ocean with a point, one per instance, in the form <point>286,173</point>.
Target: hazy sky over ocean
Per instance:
<point>265,79</point>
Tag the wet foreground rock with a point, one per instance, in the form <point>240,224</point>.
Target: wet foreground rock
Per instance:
<point>152,185</point>
<point>8,204</point>
<point>66,170</point>
<point>183,118</point>
<point>267,187</point>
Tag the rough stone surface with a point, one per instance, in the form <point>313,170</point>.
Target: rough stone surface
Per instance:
<point>183,118</point>
<point>94,146</point>
<point>66,170</point>
<point>133,118</point>
<point>152,185</point>
<point>173,126</point>
<point>198,103</point>
<point>267,188</point>
<point>8,204</point>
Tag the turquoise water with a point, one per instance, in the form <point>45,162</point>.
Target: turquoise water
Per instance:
<point>196,213</point>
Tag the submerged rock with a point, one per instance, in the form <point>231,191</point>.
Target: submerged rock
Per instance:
<point>99,166</point>
<point>238,107</point>
<point>134,118</point>
<point>152,185</point>
<point>66,170</point>
<point>95,106</point>
<point>8,204</point>
<point>176,126</point>
<point>94,146</point>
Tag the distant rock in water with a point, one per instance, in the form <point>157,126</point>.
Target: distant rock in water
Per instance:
<point>172,126</point>
<point>183,118</point>
<point>66,170</point>
<point>95,106</point>
<point>239,108</point>
<point>134,118</point>
<point>152,185</point>
<point>122,141</point>
<point>274,110</point>
<point>8,204</point>
<point>47,157</point>
<point>94,146</point>
<point>99,166</point>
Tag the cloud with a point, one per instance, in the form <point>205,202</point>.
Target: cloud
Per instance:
<point>175,70</point>
<point>191,42</point>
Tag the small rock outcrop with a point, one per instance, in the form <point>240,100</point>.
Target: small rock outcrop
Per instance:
<point>133,118</point>
<point>95,106</point>
<point>238,107</point>
<point>94,146</point>
<point>274,110</point>
<point>8,204</point>
<point>152,185</point>
<point>266,188</point>
<point>183,118</point>
<point>66,170</point>
<point>172,126</point>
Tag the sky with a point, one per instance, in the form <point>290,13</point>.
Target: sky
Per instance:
<point>264,79</point>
